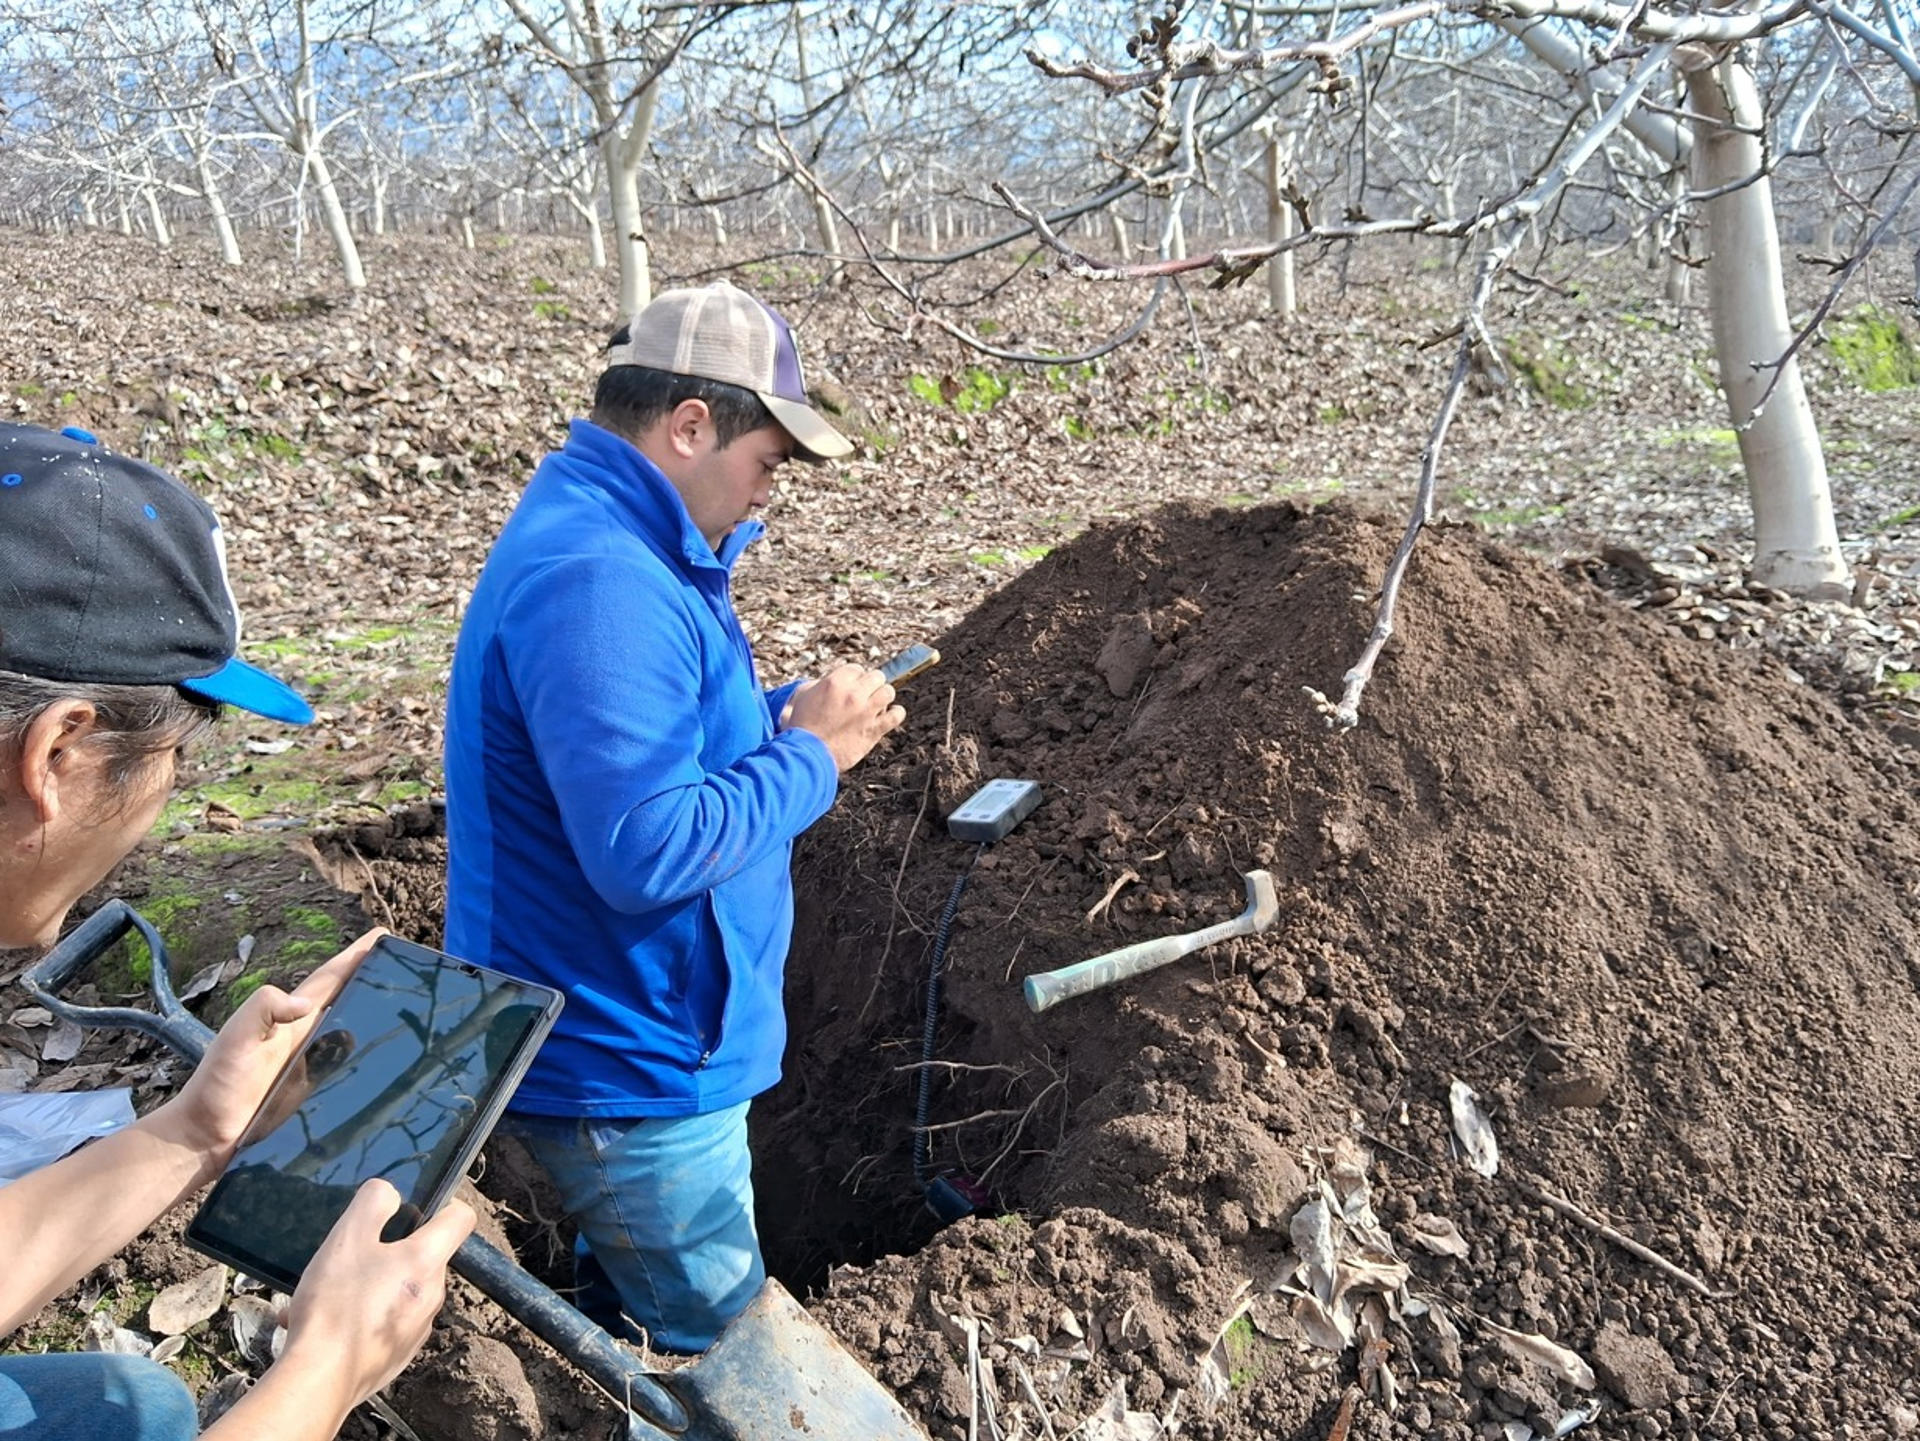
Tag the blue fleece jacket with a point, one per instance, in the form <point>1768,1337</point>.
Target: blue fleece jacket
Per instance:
<point>621,805</point>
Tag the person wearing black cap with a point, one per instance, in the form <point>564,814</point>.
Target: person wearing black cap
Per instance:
<point>623,796</point>
<point>118,634</point>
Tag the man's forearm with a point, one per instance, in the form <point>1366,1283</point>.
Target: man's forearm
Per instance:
<point>63,1220</point>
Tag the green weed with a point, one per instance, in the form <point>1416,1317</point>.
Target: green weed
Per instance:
<point>1547,371</point>
<point>1873,349</point>
<point>1243,1365</point>
<point>551,310</point>
<point>238,992</point>
<point>974,390</point>
<point>1898,518</point>
<point>540,285</point>
<point>1519,514</point>
<point>1078,427</point>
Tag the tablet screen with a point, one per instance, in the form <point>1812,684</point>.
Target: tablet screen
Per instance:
<point>414,1057</point>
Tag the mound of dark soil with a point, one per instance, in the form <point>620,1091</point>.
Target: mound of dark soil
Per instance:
<point>1653,901</point>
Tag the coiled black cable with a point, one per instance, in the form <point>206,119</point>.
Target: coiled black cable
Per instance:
<point>923,1098</point>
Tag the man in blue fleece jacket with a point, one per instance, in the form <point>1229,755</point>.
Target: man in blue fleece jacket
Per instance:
<point>622,799</point>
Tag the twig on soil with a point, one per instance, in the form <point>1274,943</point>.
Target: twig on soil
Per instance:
<point>1279,1063</point>
<point>1721,1399</point>
<point>1488,1045</point>
<point>1343,1420</point>
<point>373,885</point>
<point>1033,1395</point>
<point>1014,959</point>
<point>1120,881</point>
<point>1619,1238</point>
<point>1038,876</point>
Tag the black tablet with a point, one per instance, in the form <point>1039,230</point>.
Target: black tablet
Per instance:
<point>402,1078</point>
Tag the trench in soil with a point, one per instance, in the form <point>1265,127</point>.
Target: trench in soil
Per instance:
<point>833,1182</point>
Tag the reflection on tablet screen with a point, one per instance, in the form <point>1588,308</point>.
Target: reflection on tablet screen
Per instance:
<point>390,1085</point>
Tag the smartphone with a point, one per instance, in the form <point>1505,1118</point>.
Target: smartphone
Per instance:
<point>909,663</point>
<point>403,1077</point>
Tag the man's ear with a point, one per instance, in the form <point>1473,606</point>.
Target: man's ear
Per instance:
<point>46,753</point>
<point>689,428</point>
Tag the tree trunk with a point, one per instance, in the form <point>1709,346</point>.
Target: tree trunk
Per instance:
<point>629,240</point>
<point>377,188</point>
<point>162,235</point>
<point>466,232</point>
<point>217,207</point>
<point>1281,225</point>
<point>584,207</point>
<point>1796,547</point>
<point>336,221</point>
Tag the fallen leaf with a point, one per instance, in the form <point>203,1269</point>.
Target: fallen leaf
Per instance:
<point>1437,1234</point>
<point>1475,1131</point>
<point>1565,1364</point>
<point>102,1335</point>
<point>63,1043</point>
<point>185,1305</point>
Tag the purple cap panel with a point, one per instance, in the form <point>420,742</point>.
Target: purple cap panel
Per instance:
<point>786,360</point>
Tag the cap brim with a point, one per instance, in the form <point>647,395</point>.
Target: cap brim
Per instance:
<point>817,440</point>
<point>238,684</point>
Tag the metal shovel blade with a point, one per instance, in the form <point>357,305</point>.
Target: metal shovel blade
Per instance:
<point>776,1374</point>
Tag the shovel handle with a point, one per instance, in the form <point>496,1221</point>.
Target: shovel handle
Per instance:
<point>173,1025</point>
<point>1050,988</point>
<point>653,1412</point>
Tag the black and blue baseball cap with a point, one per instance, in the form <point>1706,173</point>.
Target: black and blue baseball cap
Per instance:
<point>114,573</point>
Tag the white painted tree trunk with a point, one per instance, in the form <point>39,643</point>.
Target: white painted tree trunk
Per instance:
<point>335,217</point>
<point>466,232</point>
<point>589,213</point>
<point>217,207</point>
<point>629,240</point>
<point>377,188</point>
<point>1282,223</point>
<point>162,235</point>
<point>1796,547</point>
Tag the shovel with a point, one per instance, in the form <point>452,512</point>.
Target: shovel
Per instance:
<point>774,1374</point>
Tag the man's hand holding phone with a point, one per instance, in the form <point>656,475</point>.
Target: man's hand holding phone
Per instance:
<point>849,708</point>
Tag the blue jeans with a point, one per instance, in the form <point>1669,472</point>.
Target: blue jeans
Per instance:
<point>664,1207</point>
<point>91,1396</point>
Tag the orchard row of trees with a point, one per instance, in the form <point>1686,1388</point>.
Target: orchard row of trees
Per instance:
<point>1211,139</point>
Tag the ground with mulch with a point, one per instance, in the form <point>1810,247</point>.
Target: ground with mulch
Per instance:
<point>1618,867</point>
